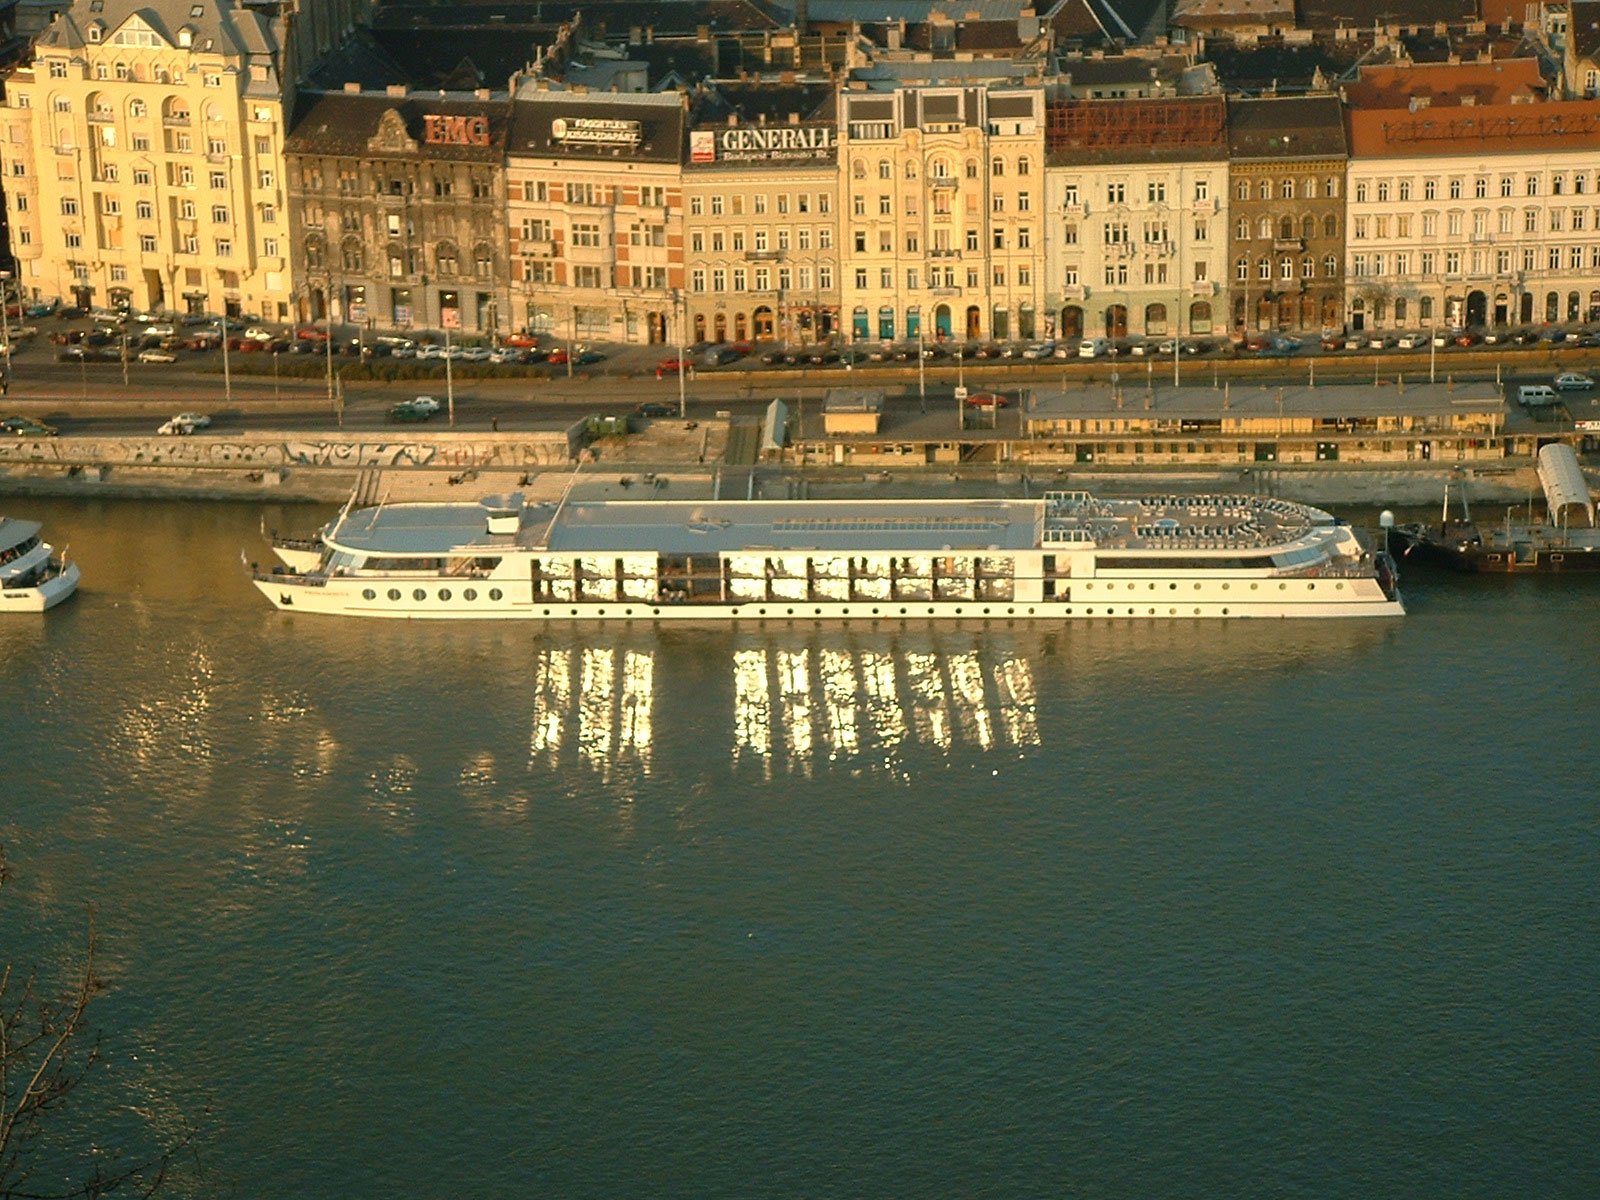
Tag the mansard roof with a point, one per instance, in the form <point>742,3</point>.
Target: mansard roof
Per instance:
<point>219,26</point>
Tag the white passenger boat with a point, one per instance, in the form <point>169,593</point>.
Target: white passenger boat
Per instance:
<point>1066,554</point>
<point>32,577</point>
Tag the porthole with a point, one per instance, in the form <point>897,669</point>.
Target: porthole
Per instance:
<point>1197,612</point>
<point>1197,587</point>
<point>419,594</point>
<point>1224,612</point>
<point>986,612</point>
<point>394,593</point>
<point>1224,587</point>
<point>656,611</point>
<point>469,594</point>
<point>1338,587</point>
<point>547,612</point>
<point>1030,611</point>
<point>1311,587</point>
<point>368,594</point>
<point>902,612</point>
<point>791,612</point>
<point>1255,587</point>
<point>1283,587</point>
<point>492,596</point>
<point>1173,586</point>
<point>496,594</point>
<point>874,612</point>
<point>627,612</point>
<point>1172,612</point>
<point>444,593</point>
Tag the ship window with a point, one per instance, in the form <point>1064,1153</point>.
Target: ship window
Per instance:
<point>444,593</point>
<point>469,594</point>
<point>394,593</point>
<point>419,594</point>
<point>494,593</point>
<point>368,594</point>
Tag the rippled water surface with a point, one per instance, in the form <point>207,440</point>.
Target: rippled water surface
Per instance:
<point>1163,909</point>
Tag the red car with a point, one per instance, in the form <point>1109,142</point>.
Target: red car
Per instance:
<point>671,366</point>
<point>1467,339</point>
<point>310,334</point>
<point>987,400</point>
<point>520,341</point>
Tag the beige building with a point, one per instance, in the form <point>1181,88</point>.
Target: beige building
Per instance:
<point>761,223</point>
<point>594,200</point>
<point>1138,193</point>
<point>144,159</point>
<point>943,221</point>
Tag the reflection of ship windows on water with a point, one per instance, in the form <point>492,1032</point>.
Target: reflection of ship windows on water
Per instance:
<point>597,703</point>
<point>803,705</point>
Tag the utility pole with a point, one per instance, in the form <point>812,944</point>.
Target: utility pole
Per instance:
<point>922,372</point>
<point>227,373</point>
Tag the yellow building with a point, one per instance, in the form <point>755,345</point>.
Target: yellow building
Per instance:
<point>143,159</point>
<point>944,188</point>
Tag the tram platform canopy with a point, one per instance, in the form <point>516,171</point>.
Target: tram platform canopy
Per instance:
<point>1563,482</point>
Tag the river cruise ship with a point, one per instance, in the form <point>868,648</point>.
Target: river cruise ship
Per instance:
<point>32,577</point>
<point>1064,554</point>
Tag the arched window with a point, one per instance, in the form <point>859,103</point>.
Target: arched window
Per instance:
<point>911,168</point>
<point>1286,228</point>
<point>448,259</point>
<point>939,168</point>
<point>885,171</point>
<point>1286,190</point>
<point>136,107</point>
<point>1264,228</point>
<point>1264,268</point>
<point>1266,189</point>
<point>1330,266</point>
<point>1330,226</point>
<point>1244,190</point>
<point>972,168</point>
<point>1244,229</point>
<point>1308,227</point>
<point>314,253</point>
<point>1308,267</point>
<point>483,261</point>
<point>1400,310</point>
<point>1311,187</point>
<point>1241,270</point>
<point>858,169</point>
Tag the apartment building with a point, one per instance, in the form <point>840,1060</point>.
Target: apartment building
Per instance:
<point>1137,198</point>
<point>397,210</point>
<point>761,214</point>
<point>143,158</point>
<point>595,213</point>
<point>1286,171</point>
<point>1482,212</point>
<point>943,219</point>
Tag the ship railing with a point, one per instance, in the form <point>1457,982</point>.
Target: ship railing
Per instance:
<point>282,577</point>
<point>294,543</point>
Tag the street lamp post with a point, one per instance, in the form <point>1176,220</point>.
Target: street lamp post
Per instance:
<point>227,373</point>
<point>683,399</point>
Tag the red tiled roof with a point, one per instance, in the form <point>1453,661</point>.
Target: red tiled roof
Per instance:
<point>1446,84</point>
<point>1475,129</point>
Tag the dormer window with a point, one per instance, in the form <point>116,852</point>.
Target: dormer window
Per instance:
<point>97,6</point>
<point>197,10</point>
<point>185,37</point>
<point>94,33</point>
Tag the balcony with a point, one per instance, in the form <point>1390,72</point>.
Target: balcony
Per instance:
<point>176,121</point>
<point>1208,205</point>
<point>945,253</point>
<point>763,255</point>
<point>1119,250</point>
<point>536,248</point>
<point>942,181</point>
<point>1202,287</point>
<point>1160,249</point>
<point>1077,211</point>
<point>944,291</point>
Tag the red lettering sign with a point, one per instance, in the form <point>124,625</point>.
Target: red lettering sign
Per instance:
<point>455,131</point>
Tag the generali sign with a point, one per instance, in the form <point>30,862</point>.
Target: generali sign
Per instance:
<point>455,131</point>
<point>762,143</point>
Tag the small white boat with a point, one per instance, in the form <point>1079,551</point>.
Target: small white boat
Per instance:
<point>32,577</point>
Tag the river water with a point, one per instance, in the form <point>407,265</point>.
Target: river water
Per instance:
<point>1134,909</point>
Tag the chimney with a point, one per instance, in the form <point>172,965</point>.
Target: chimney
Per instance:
<point>802,17</point>
<point>352,88</point>
<point>394,89</point>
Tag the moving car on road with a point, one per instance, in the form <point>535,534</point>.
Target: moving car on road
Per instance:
<point>157,356</point>
<point>27,427</point>
<point>184,424</point>
<point>987,400</point>
<point>410,410</point>
<point>653,408</point>
<point>1572,381</point>
<point>427,403</point>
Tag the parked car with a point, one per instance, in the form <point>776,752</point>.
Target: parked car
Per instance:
<point>589,357</point>
<point>822,355</point>
<point>406,410</point>
<point>475,354</point>
<point>520,341</point>
<point>1039,350</point>
<point>257,333</point>
<point>27,427</point>
<point>1412,341</point>
<point>43,308</point>
<point>1525,337</point>
<point>1332,343</point>
<point>653,408</point>
<point>503,356</point>
<point>1467,339</point>
<point>1355,342</point>
<point>311,333</point>
<point>667,366</point>
<point>987,400</point>
<point>1380,342</point>
<point>1572,381</point>
<point>157,356</point>
<point>161,329</point>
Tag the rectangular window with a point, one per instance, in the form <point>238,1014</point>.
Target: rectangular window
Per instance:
<point>224,248</point>
<point>147,243</point>
<point>269,247</point>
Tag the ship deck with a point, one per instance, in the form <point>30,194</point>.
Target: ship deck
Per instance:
<point>1067,520</point>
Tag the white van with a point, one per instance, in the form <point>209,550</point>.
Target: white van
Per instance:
<point>1536,395</point>
<point>1093,347</point>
